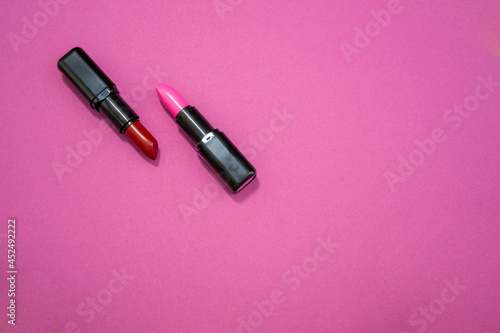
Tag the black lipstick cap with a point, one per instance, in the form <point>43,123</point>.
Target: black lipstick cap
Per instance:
<point>97,87</point>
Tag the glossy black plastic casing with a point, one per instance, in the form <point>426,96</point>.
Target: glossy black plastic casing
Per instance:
<point>216,149</point>
<point>97,87</point>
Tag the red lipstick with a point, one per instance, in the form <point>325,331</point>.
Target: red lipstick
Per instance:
<point>103,95</point>
<point>212,145</point>
<point>141,137</point>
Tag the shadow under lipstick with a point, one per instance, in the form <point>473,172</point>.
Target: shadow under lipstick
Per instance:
<point>103,95</point>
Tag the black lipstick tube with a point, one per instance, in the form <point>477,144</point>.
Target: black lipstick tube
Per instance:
<point>216,149</point>
<point>97,87</point>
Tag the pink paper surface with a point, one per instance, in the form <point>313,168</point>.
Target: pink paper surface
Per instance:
<point>374,129</point>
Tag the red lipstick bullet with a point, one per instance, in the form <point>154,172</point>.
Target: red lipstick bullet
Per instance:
<point>141,137</point>
<point>103,95</point>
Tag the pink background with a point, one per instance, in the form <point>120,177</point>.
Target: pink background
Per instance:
<point>197,257</point>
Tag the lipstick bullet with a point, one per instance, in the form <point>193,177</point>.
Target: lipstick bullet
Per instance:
<point>102,94</point>
<point>212,145</point>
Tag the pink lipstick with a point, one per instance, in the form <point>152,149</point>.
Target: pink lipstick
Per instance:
<point>103,95</point>
<point>212,145</point>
